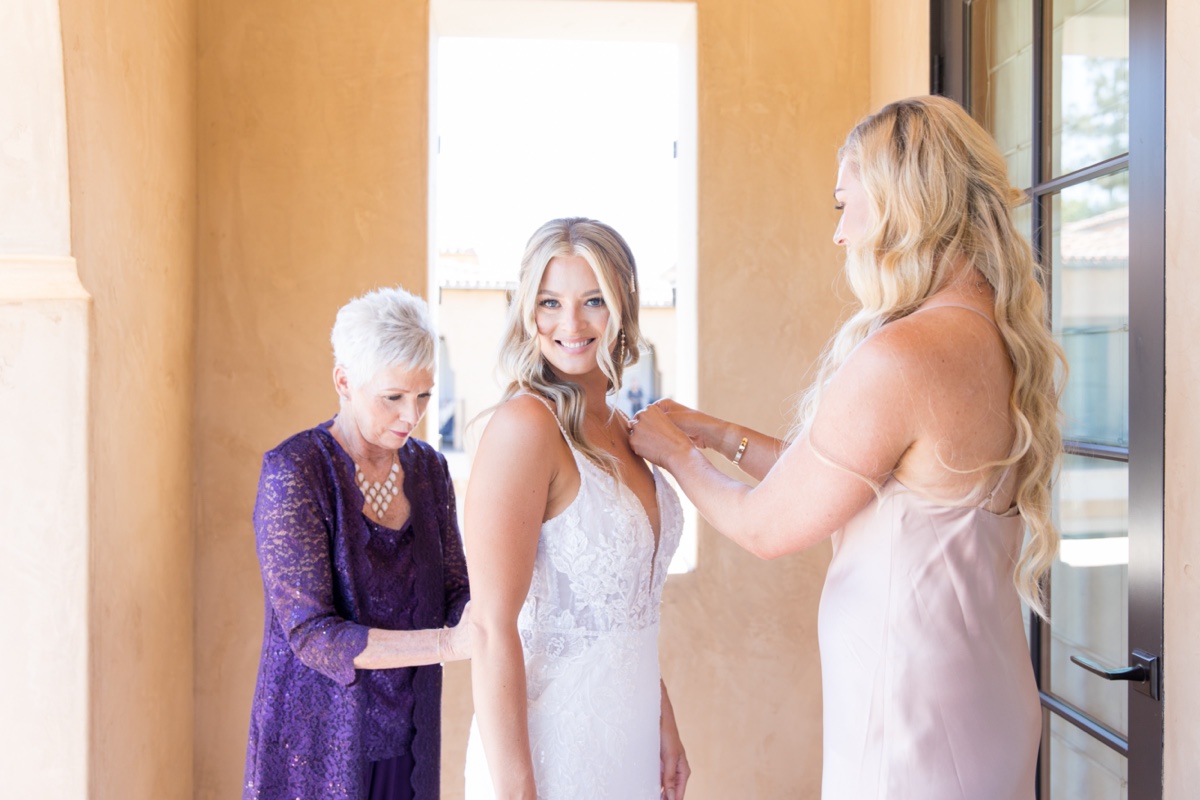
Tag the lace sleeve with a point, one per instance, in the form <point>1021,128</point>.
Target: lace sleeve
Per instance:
<point>293,542</point>
<point>454,563</point>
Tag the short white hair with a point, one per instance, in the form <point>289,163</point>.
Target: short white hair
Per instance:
<point>382,329</point>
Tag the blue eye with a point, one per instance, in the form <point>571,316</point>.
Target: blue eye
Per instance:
<point>595,302</point>
<point>548,303</point>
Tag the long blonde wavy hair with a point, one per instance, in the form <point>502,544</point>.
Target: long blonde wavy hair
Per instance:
<point>521,360</point>
<point>939,196</point>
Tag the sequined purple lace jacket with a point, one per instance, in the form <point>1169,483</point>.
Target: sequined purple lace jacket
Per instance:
<point>329,575</point>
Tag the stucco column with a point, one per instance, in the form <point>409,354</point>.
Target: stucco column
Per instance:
<point>44,411</point>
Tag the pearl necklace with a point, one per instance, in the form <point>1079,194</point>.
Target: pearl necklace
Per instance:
<point>378,495</point>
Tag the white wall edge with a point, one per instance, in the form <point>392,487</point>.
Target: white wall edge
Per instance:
<point>25,278</point>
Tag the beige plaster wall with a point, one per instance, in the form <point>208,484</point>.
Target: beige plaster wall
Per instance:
<point>899,50</point>
<point>130,88</point>
<point>1181,577</point>
<point>312,184</point>
<point>779,87</point>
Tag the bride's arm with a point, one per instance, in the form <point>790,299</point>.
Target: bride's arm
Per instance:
<point>505,505</point>
<point>675,769</point>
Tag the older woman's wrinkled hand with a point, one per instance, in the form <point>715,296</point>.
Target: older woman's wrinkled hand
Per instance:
<point>655,437</point>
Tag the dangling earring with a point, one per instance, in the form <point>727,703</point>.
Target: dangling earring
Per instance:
<point>621,356</point>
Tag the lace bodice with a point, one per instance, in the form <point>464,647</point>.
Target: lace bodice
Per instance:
<point>597,569</point>
<point>589,631</point>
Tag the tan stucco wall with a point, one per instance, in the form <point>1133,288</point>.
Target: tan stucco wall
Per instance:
<point>779,87</point>
<point>1181,577</point>
<point>130,87</point>
<point>313,172</point>
<point>899,50</point>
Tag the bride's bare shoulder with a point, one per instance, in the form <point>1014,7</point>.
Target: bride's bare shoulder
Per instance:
<point>523,421</point>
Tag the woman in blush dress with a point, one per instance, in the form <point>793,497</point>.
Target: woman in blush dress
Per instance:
<point>925,449</point>
<point>568,536</point>
<point>362,569</point>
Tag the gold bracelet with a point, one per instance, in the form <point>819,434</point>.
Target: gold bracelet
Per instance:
<point>741,451</point>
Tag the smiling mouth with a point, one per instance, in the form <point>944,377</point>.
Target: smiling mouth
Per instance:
<point>574,346</point>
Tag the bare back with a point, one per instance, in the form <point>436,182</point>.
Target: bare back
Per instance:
<point>960,380</point>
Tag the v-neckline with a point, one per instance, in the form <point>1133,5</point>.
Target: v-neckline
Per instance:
<point>655,538</point>
<point>654,477</point>
<point>580,459</point>
<point>642,515</point>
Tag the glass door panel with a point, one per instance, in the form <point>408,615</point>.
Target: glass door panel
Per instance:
<point>1002,80</point>
<point>1023,218</point>
<point>1088,72</point>
<point>1089,253</point>
<point>1072,92</point>
<point>1082,768</point>
<point>1089,582</point>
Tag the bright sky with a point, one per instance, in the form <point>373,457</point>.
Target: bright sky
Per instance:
<point>536,129</point>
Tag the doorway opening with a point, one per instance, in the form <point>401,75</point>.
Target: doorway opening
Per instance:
<point>552,108</point>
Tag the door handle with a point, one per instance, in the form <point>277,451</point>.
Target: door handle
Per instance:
<point>1143,673</point>
<point>1137,673</point>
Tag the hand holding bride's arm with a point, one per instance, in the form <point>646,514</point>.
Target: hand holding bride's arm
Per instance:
<point>505,504</point>
<point>388,649</point>
<point>710,433</point>
<point>675,769</point>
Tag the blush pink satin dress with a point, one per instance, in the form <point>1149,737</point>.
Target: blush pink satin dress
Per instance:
<point>927,682</point>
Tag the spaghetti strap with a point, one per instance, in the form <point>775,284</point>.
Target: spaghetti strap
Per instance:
<point>973,310</point>
<point>995,488</point>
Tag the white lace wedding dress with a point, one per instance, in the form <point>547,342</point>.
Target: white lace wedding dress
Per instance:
<point>589,630</point>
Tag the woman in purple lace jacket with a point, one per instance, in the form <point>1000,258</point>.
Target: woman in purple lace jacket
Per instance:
<point>363,571</point>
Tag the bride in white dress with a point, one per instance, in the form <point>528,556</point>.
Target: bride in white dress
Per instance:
<point>568,537</point>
